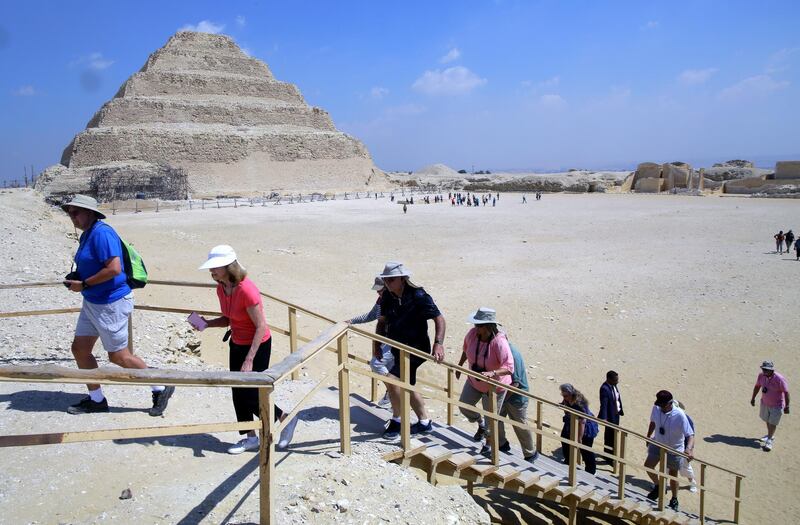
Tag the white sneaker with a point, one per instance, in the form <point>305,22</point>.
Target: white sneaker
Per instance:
<point>693,486</point>
<point>385,401</point>
<point>248,443</point>
<point>287,433</point>
<point>768,444</point>
<point>764,439</point>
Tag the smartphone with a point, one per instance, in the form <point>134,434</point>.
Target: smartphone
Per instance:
<point>198,322</point>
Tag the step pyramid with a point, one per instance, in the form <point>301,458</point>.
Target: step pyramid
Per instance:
<point>203,109</point>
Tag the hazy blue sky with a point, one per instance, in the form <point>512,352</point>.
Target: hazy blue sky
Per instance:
<point>494,84</point>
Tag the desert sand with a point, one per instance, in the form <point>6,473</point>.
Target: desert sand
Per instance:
<point>675,292</point>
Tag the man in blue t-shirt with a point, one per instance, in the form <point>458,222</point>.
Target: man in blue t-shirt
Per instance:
<point>405,311</point>
<point>107,303</point>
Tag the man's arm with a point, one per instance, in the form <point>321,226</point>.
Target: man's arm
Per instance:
<point>690,447</point>
<point>438,339</point>
<point>755,392</point>
<point>602,414</point>
<point>650,429</point>
<point>786,407</point>
<point>380,329</point>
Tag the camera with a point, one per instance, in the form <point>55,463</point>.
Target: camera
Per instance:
<point>661,430</point>
<point>72,276</point>
<point>477,368</point>
<point>764,390</point>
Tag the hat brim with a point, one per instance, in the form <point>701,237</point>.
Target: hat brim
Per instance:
<point>217,262</point>
<point>97,212</point>
<point>378,287</point>
<point>473,320</point>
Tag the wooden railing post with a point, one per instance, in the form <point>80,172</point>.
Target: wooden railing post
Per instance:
<point>702,513</point>
<point>451,381</point>
<point>373,393</point>
<point>344,395</point>
<point>623,437</point>
<point>266,455</point>
<point>494,426</point>
<point>130,333</point>
<point>405,401</point>
<point>736,503</point>
<point>662,470</point>
<point>539,426</point>
<point>293,337</point>
<point>573,450</point>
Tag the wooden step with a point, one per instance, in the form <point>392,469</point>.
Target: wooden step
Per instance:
<point>481,470</point>
<point>546,483</point>
<point>642,509</point>
<point>461,460</point>
<point>522,482</point>
<point>503,475</point>
<point>560,492</point>
<point>436,454</point>
<point>581,493</point>
<point>596,499</point>
<point>415,447</point>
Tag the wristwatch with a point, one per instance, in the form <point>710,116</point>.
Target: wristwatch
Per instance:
<point>84,284</point>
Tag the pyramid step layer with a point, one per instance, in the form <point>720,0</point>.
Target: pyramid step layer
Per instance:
<point>154,83</point>
<point>175,60</point>
<point>128,111</point>
<point>207,143</point>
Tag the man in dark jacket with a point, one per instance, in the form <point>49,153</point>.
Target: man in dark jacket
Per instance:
<point>610,410</point>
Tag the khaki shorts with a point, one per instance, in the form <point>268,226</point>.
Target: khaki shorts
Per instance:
<point>770,415</point>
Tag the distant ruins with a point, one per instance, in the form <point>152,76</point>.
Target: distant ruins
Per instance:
<point>203,118</point>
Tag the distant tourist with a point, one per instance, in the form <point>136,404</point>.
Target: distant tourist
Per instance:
<point>405,208</point>
<point>248,336</point>
<point>383,363</point>
<point>587,430</point>
<point>107,303</point>
<point>797,249</point>
<point>524,199</point>
<point>610,410</point>
<point>405,311</point>
<point>486,350</point>
<point>779,238</point>
<point>789,238</point>
<point>669,426</point>
<point>774,400</point>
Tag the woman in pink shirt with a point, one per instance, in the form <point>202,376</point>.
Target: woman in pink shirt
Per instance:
<point>488,353</point>
<point>250,338</point>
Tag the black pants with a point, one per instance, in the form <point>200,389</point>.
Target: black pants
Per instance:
<point>589,459</point>
<point>608,440</point>
<point>245,400</point>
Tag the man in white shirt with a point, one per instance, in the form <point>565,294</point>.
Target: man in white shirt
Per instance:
<point>670,427</point>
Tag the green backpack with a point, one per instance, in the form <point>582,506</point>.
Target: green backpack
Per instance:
<point>135,270</point>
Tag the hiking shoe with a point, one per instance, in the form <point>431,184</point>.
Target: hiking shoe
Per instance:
<point>287,433</point>
<point>532,457</point>
<point>160,400</point>
<point>480,434</point>
<point>486,450</point>
<point>765,438</point>
<point>248,443</point>
<point>419,428</point>
<point>87,406</point>
<point>693,486</point>
<point>392,430</point>
<point>768,444</point>
<point>673,504</point>
<point>653,494</point>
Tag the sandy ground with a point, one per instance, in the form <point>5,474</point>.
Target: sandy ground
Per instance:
<point>682,293</point>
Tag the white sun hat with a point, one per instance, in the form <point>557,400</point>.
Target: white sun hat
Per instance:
<point>221,255</point>
<point>483,316</point>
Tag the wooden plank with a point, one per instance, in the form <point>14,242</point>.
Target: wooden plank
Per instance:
<point>25,440</point>
<point>436,454</point>
<point>481,470</point>
<point>461,460</point>
<point>293,338</point>
<point>560,492</point>
<point>596,499</point>
<point>266,456</point>
<point>581,493</point>
<point>546,483</point>
<point>503,474</point>
<point>525,479</point>
<point>415,447</point>
<point>344,395</point>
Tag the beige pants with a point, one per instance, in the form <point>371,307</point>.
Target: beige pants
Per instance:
<point>524,435</point>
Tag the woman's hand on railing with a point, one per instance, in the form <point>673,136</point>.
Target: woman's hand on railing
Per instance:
<point>458,374</point>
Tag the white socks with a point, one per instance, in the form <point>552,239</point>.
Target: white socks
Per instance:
<point>157,388</point>
<point>96,395</point>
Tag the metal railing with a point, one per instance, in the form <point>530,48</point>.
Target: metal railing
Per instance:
<point>347,362</point>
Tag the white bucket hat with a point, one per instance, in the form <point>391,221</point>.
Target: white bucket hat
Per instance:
<point>378,284</point>
<point>85,202</point>
<point>219,256</point>
<point>483,316</point>
<point>396,269</point>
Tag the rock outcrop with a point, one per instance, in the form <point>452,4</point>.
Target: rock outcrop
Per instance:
<point>202,106</point>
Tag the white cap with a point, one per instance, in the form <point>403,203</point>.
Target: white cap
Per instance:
<point>219,256</point>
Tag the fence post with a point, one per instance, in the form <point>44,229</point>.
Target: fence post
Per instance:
<point>156,205</point>
<point>190,204</point>
<point>203,204</point>
<point>573,450</point>
<point>405,401</point>
<point>293,337</point>
<point>621,462</point>
<point>130,333</point>
<point>662,470</point>
<point>451,381</point>
<point>234,203</point>
<point>266,455</point>
<point>702,513</point>
<point>113,207</point>
<point>736,503</point>
<point>136,205</point>
<point>494,427</point>
<point>344,395</point>
<point>539,426</point>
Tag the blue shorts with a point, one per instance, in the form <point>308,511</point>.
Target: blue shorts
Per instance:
<point>109,322</point>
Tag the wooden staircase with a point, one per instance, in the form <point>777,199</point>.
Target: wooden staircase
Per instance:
<point>450,452</point>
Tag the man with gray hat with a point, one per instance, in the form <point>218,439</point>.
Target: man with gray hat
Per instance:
<point>405,311</point>
<point>774,400</point>
<point>107,303</point>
